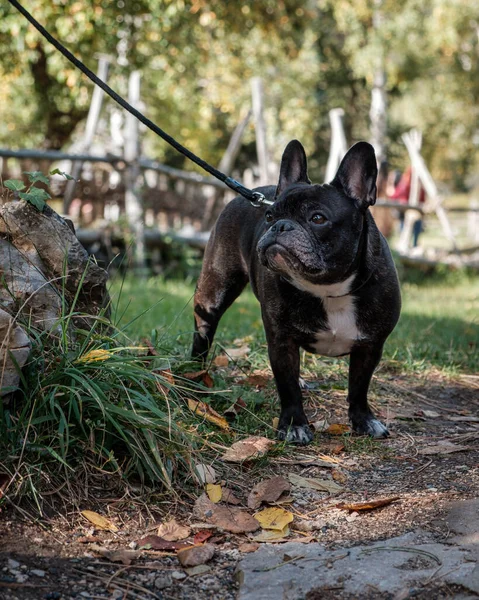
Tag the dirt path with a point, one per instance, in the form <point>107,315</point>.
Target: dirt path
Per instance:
<point>429,463</point>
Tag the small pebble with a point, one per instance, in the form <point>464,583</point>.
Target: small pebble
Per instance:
<point>37,572</point>
<point>178,575</point>
<point>133,545</point>
<point>163,581</point>
<point>12,564</point>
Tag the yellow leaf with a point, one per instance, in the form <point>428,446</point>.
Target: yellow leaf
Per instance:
<point>274,518</point>
<point>270,535</point>
<point>337,429</point>
<point>95,355</point>
<point>200,408</point>
<point>99,521</point>
<point>214,491</point>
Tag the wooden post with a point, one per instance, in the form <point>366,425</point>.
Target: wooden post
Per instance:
<point>434,200</point>
<point>226,165</point>
<point>338,143</point>
<point>90,128</point>
<point>133,200</point>
<point>260,125</point>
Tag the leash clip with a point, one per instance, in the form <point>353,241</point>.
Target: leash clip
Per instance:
<point>260,200</point>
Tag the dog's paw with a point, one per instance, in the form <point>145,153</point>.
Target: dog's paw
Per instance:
<point>296,434</point>
<point>370,426</point>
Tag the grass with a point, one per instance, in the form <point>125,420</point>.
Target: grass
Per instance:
<point>439,325</point>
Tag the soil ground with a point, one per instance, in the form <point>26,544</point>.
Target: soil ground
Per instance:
<point>429,462</point>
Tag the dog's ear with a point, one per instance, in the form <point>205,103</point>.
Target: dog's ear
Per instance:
<point>294,167</point>
<point>357,174</point>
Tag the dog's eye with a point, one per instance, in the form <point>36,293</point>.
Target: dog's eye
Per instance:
<point>268,217</point>
<point>318,219</point>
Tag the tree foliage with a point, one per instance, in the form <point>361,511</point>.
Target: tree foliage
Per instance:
<point>197,57</point>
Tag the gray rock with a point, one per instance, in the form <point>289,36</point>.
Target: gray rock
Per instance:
<point>37,572</point>
<point>178,575</point>
<point>163,581</point>
<point>12,564</point>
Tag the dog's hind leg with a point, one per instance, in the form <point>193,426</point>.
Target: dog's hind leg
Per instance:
<point>216,290</point>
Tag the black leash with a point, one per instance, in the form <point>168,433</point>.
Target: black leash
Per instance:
<point>256,198</point>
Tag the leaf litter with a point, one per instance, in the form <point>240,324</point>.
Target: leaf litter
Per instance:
<point>269,490</point>
<point>250,448</point>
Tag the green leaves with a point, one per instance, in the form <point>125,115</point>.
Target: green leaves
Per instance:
<point>36,197</point>
<point>35,176</point>
<point>62,173</point>
<point>15,185</point>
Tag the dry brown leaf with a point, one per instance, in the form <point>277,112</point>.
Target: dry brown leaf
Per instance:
<point>202,536</point>
<point>125,557</point>
<point>322,425</point>
<point>88,539</point>
<point>221,361</point>
<point>444,447</point>
<point>205,410</point>
<point>338,429</point>
<point>371,505</point>
<point>154,542</point>
<point>247,547</point>
<point>214,491</point>
<point>248,449</point>
<point>168,375</point>
<point>200,377</point>
<point>99,521</point>
<point>229,497</point>
<point>225,517</point>
<point>241,352</point>
<point>204,474</point>
<point>274,518</point>
<point>233,411</point>
<point>171,531</point>
<point>339,476</point>
<point>322,485</point>
<point>196,555</point>
<point>268,490</point>
<point>257,380</point>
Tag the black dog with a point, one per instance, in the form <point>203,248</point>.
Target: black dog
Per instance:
<point>322,272</point>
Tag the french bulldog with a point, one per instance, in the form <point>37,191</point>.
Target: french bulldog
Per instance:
<point>322,272</point>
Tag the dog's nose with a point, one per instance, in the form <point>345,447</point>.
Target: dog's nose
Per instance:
<point>283,225</point>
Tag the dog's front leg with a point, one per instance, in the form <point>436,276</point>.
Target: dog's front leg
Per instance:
<point>293,423</point>
<point>362,363</point>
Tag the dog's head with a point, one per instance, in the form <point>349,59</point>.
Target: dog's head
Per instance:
<point>314,231</point>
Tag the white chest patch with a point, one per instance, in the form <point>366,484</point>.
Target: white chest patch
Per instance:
<point>342,329</point>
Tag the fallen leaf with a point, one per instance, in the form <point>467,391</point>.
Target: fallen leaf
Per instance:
<point>337,429</point>
<point>88,539</point>
<point>339,476</point>
<point>248,449</point>
<point>198,570</point>
<point>196,555</point>
<point>322,485</point>
<point>371,505</point>
<point>268,490</point>
<point>259,381</point>
<point>241,352</point>
<point>152,351</point>
<point>275,423</point>
<point>214,492</point>
<point>270,535</point>
<point>247,547</point>
<point>167,375</point>
<point>229,497</point>
<point>204,474</point>
<point>233,411</point>
<point>445,447</point>
<point>171,531</point>
<point>95,356</point>
<point>322,425</point>
<point>205,410</point>
<point>221,361</point>
<point>125,557</point>
<point>99,521</point>
<point>202,536</point>
<point>274,518</point>
<point>200,377</point>
<point>154,542</point>
<point>230,519</point>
